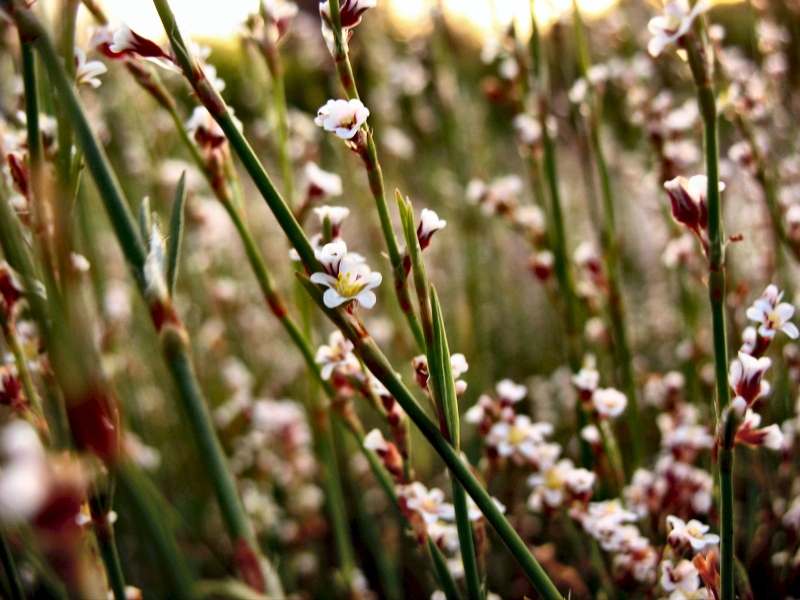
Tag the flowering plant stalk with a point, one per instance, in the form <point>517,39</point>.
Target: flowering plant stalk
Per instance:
<point>174,340</point>
<point>701,71</point>
<point>608,234</point>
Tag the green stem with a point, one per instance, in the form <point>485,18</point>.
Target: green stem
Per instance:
<point>375,176</point>
<point>152,508</point>
<point>379,365</point>
<point>108,550</point>
<point>10,567</point>
<point>175,347</point>
<point>716,288</point>
<point>335,496</point>
<point>12,341</point>
<point>610,246</point>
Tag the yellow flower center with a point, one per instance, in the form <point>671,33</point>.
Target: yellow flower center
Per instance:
<point>553,480</point>
<point>348,285</point>
<point>515,435</point>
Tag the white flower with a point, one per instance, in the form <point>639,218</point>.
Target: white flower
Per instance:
<point>345,278</point>
<point>24,482</point>
<point>550,485</point>
<point>335,215</point>
<point>338,353</point>
<point>510,392</point>
<point>673,24</point>
<point>87,72</point>
<point>374,441</point>
<point>528,129</point>
<point>770,437</point>
<point>429,223</point>
<point>429,504</point>
<point>745,377</point>
<point>343,117</point>
<point>520,438</point>
<point>683,576</point>
<point>693,533</point>
<point>773,314</point>
<point>458,364</point>
<point>322,183</point>
<point>609,402</point>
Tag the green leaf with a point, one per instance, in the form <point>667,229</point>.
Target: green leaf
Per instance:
<point>176,222</point>
<point>447,385</point>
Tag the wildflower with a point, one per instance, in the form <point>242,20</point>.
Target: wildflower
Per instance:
<point>335,215</point>
<point>387,452</point>
<point>86,72</point>
<point>429,504</point>
<point>692,534</point>
<point>126,41</point>
<point>321,183</point>
<point>673,24</point>
<point>519,438</point>
<point>279,17</point>
<point>609,402</point>
<point>343,117</point>
<point>338,353</point>
<point>350,14</point>
<point>748,434</point>
<point>23,485</point>
<point>773,314</point>
<point>458,364</point>
<point>541,264</point>
<point>510,392</point>
<point>528,130</point>
<point>429,223</point>
<point>345,278</point>
<point>688,201</point>
<point>683,576</point>
<point>745,377</point>
<point>550,486</point>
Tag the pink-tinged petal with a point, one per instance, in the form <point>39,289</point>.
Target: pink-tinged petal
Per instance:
<point>755,314</point>
<point>791,330</point>
<point>371,280</point>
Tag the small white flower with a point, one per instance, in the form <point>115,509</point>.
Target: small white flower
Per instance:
<point>343,117</point>
<point>338,353</point>
<point>458,364</point>
<point>609,402</point>
<point>683,576</point>
<point>429,504</point>
<point>374,441</point>
<point>745,377</point>
<point>673,24</point>
<point>345,278</point>
<point>520,438</point>
<point>24,482</point>
<point>86,72</point>
<point>322,183</point>
<point>694,534</point>
<point>773,314</point>
<point>335,214</point>
<point>429,223</point>
<point>510,392</point>
<point>770,437</point>
<point>528,129</point>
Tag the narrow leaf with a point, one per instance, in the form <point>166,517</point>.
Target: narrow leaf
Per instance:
<point>447,385</point>
<point>176,222</point>
<point>145,219</point>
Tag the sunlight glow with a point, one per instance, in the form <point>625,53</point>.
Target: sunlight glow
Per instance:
<point>484,16</point>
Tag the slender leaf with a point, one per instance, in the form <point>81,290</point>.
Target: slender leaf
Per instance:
<point>176,222</point>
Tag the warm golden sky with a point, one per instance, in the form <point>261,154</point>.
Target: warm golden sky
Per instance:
<point>141,15</point>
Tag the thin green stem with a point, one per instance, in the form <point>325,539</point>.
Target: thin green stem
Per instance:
<point>152,508</point>
<point>175,347</point>
<point>610,247</point>
<point>701,71</point>
<point>108,550</point>
<point>10,567</point>
<point>21,362</point>
<point>379,365</point>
